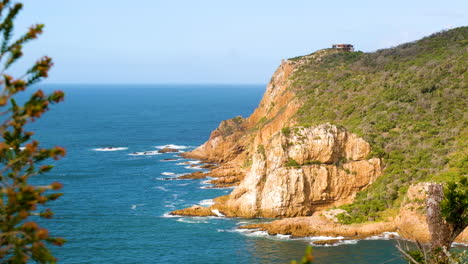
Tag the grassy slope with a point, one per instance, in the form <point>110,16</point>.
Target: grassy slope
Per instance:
<point>409,102</point>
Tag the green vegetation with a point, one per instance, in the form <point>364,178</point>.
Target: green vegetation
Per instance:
<point>312,162</point>
<point>286,131</point>
<point>22,204</point>
<point>308,257</point>
<point>247,163</point>
<point>454,206</point>
<point>292,163</point>
<point>408,102</point>
<point>231,126</point>
<point>261,149</point>
<point>447,218</point>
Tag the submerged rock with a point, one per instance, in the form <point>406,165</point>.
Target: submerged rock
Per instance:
<point>194,175</point>
<point>327,242</point>
<point>167,150</point>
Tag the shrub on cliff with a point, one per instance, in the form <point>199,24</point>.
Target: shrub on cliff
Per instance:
<point>22,204</point>
<point>408,102</point>
<point>447,217</point>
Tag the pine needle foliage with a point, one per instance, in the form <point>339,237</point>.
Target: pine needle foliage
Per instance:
<point>22,239</point>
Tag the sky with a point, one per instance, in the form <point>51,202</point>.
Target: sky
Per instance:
<point>214,41</point>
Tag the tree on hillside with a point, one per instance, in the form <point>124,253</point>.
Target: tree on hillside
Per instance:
<point>22,204</point>
<point>447,217</point>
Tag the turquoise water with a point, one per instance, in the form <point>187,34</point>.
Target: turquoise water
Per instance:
<point>114,206</point>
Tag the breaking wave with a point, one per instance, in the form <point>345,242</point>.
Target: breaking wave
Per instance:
<point>207,202</point>
<point>110,149</point>
<point>145,153</point>
<point>173,146</point>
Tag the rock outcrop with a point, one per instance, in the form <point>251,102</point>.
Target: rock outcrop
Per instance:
<point>167,150</point>
<point>303,171</point>
<point>195,210</point>
<point>318,225</point>
<point>411,219</point>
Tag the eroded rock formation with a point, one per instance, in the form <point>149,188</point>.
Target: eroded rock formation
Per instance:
<point>303,171</point>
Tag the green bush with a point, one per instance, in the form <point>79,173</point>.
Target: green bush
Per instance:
<point>292,163</point>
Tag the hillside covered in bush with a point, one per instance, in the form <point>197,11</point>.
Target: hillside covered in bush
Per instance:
<point>409,102</point>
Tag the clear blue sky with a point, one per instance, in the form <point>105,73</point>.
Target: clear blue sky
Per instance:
<point>215,41</point>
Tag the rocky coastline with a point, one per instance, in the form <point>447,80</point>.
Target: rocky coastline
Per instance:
<point>297,174</point>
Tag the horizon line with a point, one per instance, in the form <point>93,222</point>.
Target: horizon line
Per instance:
<point>146,84</point>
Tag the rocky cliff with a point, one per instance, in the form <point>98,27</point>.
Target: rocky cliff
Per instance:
<point>334,124</point>
<point>302,171</point>
<point>289,170</point>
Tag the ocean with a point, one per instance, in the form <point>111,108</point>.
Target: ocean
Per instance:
<point>115,203</point>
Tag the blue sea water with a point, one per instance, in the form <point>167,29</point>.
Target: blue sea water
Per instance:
<point>115,204</point>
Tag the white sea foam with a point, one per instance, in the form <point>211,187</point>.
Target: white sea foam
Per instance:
<point>318,238</point>
<point>145,153</point>
<point>110,149</point>
<point>134,206</point>
<point>194,220</point>
<point>168,215</point>
<point>190,162</point>
<point>217,213</point>
<point>207,202</point>
<point>384,236</point>
<point>343,242</point>
<point>254,233</point>
<point>161,188</point>
<point>207,181</point>
<point>257,234</point>
<point>193,168</point>
<point>169,206</point>
<point>216,188</point>
<point>260,233</point>
<point>172,146</point>
<point>280,236</point>
<point>183,184</point>
<point>168,173</point>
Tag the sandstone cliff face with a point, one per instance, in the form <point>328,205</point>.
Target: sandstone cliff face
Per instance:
<point>331,165</point>
<point>329,168</point>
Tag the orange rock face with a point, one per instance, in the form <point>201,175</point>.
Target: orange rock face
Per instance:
<point>254,153</point>
<point>195,210</point>
<point>329,168</point>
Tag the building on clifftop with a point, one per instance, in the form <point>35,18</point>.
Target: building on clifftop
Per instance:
<point>346,47</point>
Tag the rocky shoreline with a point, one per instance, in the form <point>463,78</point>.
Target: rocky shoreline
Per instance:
<point>410,223</point>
